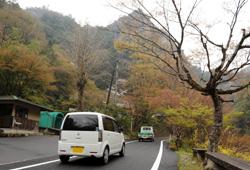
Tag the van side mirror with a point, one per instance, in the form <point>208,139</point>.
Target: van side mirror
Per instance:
<point>121,129</point>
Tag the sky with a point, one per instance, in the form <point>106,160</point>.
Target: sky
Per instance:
<point>99,12</point>
<point>94,12</point>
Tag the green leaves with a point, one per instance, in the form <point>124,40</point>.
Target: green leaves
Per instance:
<point>189,117</point>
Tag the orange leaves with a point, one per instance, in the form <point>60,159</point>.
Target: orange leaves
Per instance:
<point>19,58</point>
<point>31,71</point>
<point>164,98</point>
<point>235,145</point>
<point>159,89</point>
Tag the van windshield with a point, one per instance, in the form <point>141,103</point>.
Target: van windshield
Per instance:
<point>146,129</point>
<point>81,123</point>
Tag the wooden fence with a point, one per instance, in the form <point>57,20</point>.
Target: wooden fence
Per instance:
<point>20,123</point>
<point>27,124</point>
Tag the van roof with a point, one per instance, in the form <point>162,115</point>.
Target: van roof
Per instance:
<point>146,126</point>
<point>89,113</point>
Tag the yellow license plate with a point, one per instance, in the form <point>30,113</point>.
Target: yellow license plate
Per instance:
<point>77,149</point>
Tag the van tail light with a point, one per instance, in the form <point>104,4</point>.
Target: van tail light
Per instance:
<point>100,135</point>
<point>60,135</point>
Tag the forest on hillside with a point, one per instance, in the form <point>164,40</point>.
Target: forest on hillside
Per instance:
<point>39,61</point>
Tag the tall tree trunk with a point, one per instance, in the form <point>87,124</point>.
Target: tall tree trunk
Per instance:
<point>218,122</point>
<point>80,100</point>
<point>81,86</point>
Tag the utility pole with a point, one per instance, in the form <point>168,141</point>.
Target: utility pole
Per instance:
<point>116,84</point>
<point>114,73</point>
<point>111,84</point>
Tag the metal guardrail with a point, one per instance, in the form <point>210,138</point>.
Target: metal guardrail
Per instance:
<point>219,161</point>
<point>199,153</point>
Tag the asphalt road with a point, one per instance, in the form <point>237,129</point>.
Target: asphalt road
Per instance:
<point>25,148</point>
<point>40,153</point>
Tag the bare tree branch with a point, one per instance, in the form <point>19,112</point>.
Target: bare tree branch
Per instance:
<point>158,22</point>
<point>237,49</point>
<point>204,44</point>
<point>168,35</point>
<point>223,92</point>
<point>239,6</point>
<point>205,36</point>
<point>235,71</point>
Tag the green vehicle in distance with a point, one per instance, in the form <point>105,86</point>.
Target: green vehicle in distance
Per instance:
<point>146,133</point>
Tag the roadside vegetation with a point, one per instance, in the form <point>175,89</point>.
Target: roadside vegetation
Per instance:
<point>186,161</point>
<point>232,143</point>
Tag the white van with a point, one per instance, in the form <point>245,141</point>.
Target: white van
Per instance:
<point>90,134</point>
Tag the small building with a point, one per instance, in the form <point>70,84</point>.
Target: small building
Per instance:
<point>15,111</point>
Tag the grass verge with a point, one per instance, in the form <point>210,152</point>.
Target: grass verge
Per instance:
<point>187,162</point>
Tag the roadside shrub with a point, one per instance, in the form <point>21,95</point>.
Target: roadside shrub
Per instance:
<point>131,135</point>
<point>187,161</point>
<point>172,144</point>
<point>201,145</point>
<point>235,145</point>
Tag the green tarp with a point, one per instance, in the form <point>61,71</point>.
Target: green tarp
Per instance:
<point>50,119</point>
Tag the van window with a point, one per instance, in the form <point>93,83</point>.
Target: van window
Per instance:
<point>116,127</point>
<point>108,124</point>
<point>81,123</point>
<point>147,128</point>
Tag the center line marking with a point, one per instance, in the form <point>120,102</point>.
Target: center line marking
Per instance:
<point>158,158</point>
<point>49,162</point>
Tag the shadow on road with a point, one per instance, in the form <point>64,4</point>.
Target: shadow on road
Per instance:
<point>88,161</point>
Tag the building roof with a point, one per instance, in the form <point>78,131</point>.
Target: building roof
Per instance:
<point>17,99</point>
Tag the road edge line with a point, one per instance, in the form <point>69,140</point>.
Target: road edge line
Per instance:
<point>158,158</point>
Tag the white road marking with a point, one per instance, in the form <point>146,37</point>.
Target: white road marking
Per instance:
<point>49,162</point>
<point>158,158</point>
<point>34,165</point>
<point>24,160</point>
<point>131,141</point>
<point>39,164</point>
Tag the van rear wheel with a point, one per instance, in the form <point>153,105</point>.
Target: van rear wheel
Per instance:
<point>122,152</point>
<point>105,157</point>
<point>64,159</point>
